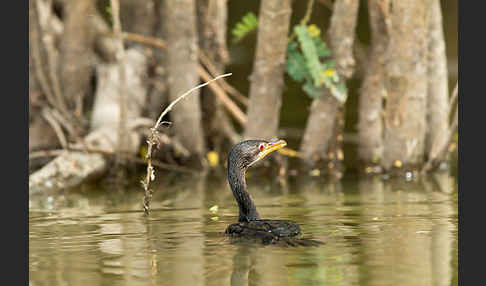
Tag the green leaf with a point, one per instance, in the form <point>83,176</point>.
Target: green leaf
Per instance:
<point>310,53</point>
<point>295,63</point>
<point>321,47</point>
<point>308,60</point>
<point>245,26</point>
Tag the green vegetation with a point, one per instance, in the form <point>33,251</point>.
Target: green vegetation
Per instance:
<point>248,24</point>
<point>308,58</point>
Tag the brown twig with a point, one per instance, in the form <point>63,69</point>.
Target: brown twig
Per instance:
<point>65,123</point>
<point>46,153</point>
<point>44,14</point>
<point>152,141</point>
<point>308,13</point>
<point>144,40</point>
<point>36,57</point>
<point>305,19</point>
<point>50,84</point>
<point>224,84</point>
<point>202,57</point>
<point>46,113</point>
<point>221,94</point>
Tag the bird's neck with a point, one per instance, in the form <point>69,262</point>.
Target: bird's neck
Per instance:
<point>237,182</point>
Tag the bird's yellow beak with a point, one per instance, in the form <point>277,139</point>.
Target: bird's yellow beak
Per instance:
<point>272,146</point>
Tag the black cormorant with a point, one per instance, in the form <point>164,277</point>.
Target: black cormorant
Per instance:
<point>250,225</point>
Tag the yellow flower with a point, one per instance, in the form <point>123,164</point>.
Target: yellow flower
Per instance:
<point>313,31</point>
<point>213,159</point>
<point>398,163</point>
<point>328,73</point>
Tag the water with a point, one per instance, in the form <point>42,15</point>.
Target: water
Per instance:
<point>376,232</point>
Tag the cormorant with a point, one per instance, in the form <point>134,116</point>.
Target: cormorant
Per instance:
<point>250,225</point>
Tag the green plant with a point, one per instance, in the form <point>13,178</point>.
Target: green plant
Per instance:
<point>308,59</point>
<point>248,24</point>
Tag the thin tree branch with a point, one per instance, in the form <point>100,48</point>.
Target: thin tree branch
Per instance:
<point>202,57</point>
<point>36,57</point>
<point>152,140</point>
<point>144,40</point>
<point>221,94</point>
<point>55,125</point>
<point>44,14</point>
<point>224,84</point>
<point>308,13</point>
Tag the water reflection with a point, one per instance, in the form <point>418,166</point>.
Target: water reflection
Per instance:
<point>376,232</point>
<point>244,266</point>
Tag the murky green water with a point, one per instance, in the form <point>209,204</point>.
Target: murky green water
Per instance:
<point>375,232</point>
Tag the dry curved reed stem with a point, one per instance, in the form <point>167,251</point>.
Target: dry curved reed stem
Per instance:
<point>152,140</point>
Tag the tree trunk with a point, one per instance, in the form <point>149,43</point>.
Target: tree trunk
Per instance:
<point>77,56</point>
<point>406,84</point>
<point>134,17</point>
<point>158,94</point>
<point>41,135</point>
<point>212,23</point>
<point>182,55</point>
<point>321,129</point>
<point>438,87</point>
<point>73,168</point>
<point>341,35</point>
<point>138,17</point>
<point>370,126</point>
<point>267,77</point>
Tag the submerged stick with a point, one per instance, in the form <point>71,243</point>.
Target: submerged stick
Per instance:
<point>152,141</point>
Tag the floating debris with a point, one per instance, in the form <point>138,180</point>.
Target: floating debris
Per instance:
<point>408,176</point>
<point>214,209</point>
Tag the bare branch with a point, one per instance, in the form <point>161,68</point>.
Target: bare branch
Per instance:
<point>228,88</point>
<point>221,94</point>
<point>55,125</point>
<point>152,140</point>
<point>144,40</point>
<point>169,108</point>
<point>44,15</point>
<point>155,42</point>
<point>308,13</point>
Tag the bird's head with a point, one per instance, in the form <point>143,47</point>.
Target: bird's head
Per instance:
<point>248,152</point>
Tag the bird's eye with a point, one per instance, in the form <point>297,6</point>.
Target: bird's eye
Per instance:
<point>261,147</point>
